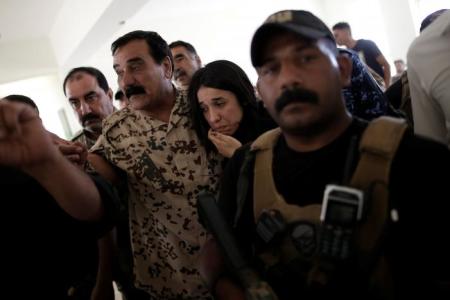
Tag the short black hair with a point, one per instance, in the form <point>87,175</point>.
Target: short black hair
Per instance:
<point>430,18</point>
<point>342,25</point>
<point>101,79</point>
<point>184,44</point>
<point>22,99</point>
<point>158,47</point>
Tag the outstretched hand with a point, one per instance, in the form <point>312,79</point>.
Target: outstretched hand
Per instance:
<point>225,144</point>
<point>24,142</point>
<point>76,152</point>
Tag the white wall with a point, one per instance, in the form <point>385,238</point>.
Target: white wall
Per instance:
<point>48,96</point>
<point>365,18</point>
<point>24,59</point>
<point>422,8</point>
<point>400,28</point>
<point>70,27</point>
<point>218,29</point>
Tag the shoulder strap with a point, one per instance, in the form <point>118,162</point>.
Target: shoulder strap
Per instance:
<point>378,146</point>
<point>263,185</point>
<point>267,140</point>
<point>242,184</point>
<point>264,141</point>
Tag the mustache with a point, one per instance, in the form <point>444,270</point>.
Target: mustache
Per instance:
<point>134,90</point>
<point>296,95</point>
<point>179,72</point>
<point>88,117</point>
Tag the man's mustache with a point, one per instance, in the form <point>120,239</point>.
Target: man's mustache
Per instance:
<point>295,95</point>
<point>134,90</point>
<point>179,73</point>
<point>88,117</point>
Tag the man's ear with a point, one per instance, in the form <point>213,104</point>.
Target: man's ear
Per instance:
<point>345,68</point>
<point>110,94</point>
<point>198,60</point>
<point>168,67</point>
<point>257,87</point>
<point>258,92</point>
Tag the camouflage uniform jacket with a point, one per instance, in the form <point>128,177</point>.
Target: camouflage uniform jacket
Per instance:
<point>84,138</point>
<point>166,168</point>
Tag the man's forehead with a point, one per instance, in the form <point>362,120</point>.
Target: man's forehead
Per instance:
<point>181,51</point>
<point>134,48</point>
<point>340,31</point>
<point>81,78</point>
<point>80,83</point>
<point>77,76</point>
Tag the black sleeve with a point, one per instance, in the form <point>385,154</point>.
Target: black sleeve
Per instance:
<point>372,48</point>
<point>420,192</point>
<point>394,93</point>
<point>420,181</point>
<point>111,205</point>
<point>244,227</point>
<point>228,185</point>
<point>43,211</point>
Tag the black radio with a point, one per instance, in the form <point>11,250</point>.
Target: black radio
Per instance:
<point>270,225</point>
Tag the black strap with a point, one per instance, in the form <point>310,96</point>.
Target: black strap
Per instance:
<point>243,184</point>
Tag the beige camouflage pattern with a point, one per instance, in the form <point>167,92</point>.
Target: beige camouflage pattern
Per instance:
<point>166,169</point>
<point>84,138</point>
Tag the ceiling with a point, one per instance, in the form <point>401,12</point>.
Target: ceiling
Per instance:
<point>53,36</point>
<point>41,37</point>
<point>18,23</point>
<point>48,36</point>
<point>41,40</point>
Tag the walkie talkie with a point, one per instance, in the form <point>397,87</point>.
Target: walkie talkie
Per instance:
<point>342,209</point>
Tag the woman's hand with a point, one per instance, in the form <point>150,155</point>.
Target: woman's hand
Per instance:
<point>225,144</point>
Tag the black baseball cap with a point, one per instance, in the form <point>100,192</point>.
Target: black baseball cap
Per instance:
<point>300,22</point>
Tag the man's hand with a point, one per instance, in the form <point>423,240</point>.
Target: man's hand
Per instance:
<point>225,144</point>
<point>211,265</point>
<point>24,142</point>
<point>76,152</point>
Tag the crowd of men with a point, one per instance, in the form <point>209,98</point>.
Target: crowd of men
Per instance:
<point>326,205</point>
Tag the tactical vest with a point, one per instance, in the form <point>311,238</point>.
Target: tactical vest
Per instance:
<point>377,148</point>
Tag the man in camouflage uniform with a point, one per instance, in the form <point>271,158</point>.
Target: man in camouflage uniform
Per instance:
<point>153,145</point>
<point>91,98</point>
